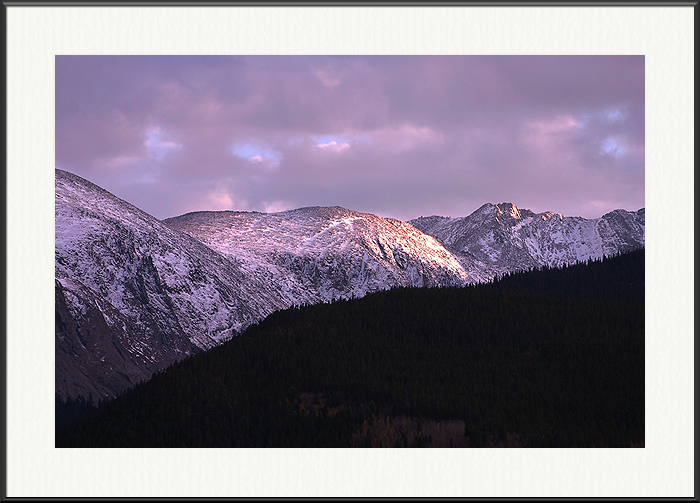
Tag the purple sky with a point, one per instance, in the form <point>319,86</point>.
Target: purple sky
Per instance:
<point>397,136</point>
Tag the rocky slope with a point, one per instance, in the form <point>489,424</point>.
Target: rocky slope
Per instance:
<point>320,254</point>
<point>501,238</point>
<point>133,295</point>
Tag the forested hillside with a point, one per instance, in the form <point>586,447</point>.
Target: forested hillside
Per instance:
<point>550,358</point>
<point>620,276</point>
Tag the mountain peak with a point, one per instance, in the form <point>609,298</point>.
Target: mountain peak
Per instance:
<point>509,209</point>
<point>136,293</point>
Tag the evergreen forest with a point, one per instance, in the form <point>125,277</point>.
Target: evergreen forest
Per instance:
<point>547,358</point>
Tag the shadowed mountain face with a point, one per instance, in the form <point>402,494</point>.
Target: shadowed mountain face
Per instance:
<point>497,239</point>
<point>134,294</point>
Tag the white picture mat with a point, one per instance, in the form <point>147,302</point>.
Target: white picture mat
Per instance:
<point>663,468</point>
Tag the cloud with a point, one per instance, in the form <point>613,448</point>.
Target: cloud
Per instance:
<point>613,115</point>
<point>157,144</point>
<point>117,162</point>
<point>397,135</point>
<point>613,146</point>
<point>275,206</point>
<point>326,79</point>
<point>214,199</point>
<point>219,199</point>
<point>334,147</point>
<point>258,153</point>
<point>407,137</point>
<point>549,140</point>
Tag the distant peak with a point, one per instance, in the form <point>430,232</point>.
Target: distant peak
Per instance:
<point>548,215</point>
<point>509,209</point>
<point>487,208</point>
<point>640,211</point>
<point>431,217</point>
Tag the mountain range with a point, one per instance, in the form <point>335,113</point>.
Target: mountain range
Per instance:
<point>500,238</point>
<point>135,294</point>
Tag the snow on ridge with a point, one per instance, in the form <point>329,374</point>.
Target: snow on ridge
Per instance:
<point>166,288</point>
<point>496,239</point>
<point>155,287</point>
<point>327,252</point>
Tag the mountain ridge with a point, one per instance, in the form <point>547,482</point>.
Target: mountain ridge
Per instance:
<point>135,294</point>
<point>501,238</point>
<point>335,252</point>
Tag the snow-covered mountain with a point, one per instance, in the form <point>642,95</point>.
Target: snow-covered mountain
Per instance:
<point>320,254</point>
<point>133,295</point>
<point>501,238</point>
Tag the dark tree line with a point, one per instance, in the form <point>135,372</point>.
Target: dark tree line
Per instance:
<point>549,360</point>
<point>620,276</point>
<point>69,410</point>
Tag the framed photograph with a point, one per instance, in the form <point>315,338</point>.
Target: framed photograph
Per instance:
<point>209,129</point>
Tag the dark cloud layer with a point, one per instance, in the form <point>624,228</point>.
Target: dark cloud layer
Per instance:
<point>399,136</point>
